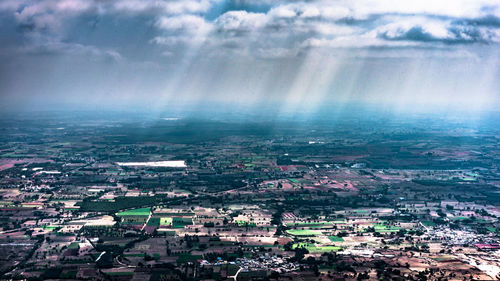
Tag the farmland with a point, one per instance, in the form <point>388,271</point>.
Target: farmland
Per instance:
<point>280,201</point>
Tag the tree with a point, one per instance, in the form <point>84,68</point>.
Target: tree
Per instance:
<point>300,252</point>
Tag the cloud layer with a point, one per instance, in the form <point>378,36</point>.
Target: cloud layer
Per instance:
<point>300,51</point>
<point>272,28</point>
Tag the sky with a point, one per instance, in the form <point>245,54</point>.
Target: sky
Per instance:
<point>290,56</point>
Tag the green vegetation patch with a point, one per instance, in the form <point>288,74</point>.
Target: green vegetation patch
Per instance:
<point>444,258</point>
<point>246,224</point>
<point>74,245</point>
<point>186,257</point>
<point>167,232</point>
<point>324,249</point>
<point>165,221</point>
<point>384,228</point>
<point>429,223</point>
<point>303,232</point>
<point>132,223</point>
<point>312,248</point>
<point>176,214</point>
<point>468,179</point>
<point>51,228</point>
<point>309,224</point>
<point>154,222</point>
<point>182,191</point>
<point>336,239</point>
<point>135,212</point>
<point>181,222</point>
<point>121,203</point>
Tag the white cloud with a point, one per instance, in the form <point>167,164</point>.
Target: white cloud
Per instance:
<point>272,53</point>
<point>283,26</point>
<point>398,28</point>
<point>433,30</point>
<point>284,11</point>
<point>72,49</point>
<point>50,15</point>
<point>361,41</point>
<point>187,23</point>
<point>241,21</point>
<point>361,24</point>
<point>333,29</point>
<point>165,6</point>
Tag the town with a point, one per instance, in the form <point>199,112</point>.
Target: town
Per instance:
<point>188,199</point>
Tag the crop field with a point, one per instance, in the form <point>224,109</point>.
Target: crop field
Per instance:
<point>384,228</point>
<point>181,222</point>
<point>154,222</point>
<point>303,232</point>
<point>246,224</point>
<point>312,248</point>
<point>331,214</point>
<point>120,203</point>
<point>186,257</point>
<point>165,221</point>
<point>135,212</point>
<point>309,224</point>
<point>336,239</point>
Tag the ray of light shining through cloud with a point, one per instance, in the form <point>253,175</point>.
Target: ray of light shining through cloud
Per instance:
<point>241,55</point>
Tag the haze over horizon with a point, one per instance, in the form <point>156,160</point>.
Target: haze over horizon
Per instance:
<point>244,55</point>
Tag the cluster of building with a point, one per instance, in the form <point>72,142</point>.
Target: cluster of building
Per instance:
<point>243,207</point>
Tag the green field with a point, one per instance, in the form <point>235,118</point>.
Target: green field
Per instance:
<point>183,258</point>
<point>181,222</point>
<point>74,245</point>
<point>317,249</point>
<point>444,258</point>
<point>132,223</point>
<point>175,214</point>
<point>51,228</point>
<point>154,222</point>
<point>246,223</point>
<point>121,203</point>
<point>135,212</point>
<point>167,232</point>
<point>165,221</point>
<point>309,224</point>
<point>336,239</point>
<point>458,218</point>
<point>384,228</point>
<point>429,223</point>
<point>304,232</point>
